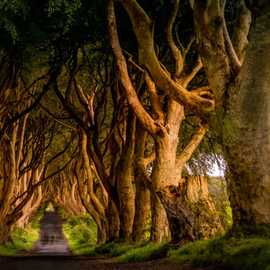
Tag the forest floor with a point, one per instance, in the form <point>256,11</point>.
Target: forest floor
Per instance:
<point>52,252</point>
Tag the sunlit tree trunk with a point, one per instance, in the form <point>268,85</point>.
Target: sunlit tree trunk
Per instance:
<point>125,179</point>
<point>163,125</point>
<point>142,201</point>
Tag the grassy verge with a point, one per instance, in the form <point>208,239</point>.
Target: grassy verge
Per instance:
<point>144,253</point>
<point>81,234</point>
<point>232,253</point>
<point>123,252</point>
<point>240,253</point>
<point>23,239</point>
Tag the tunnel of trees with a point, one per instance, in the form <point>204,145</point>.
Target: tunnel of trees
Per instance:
<point>119,109</point>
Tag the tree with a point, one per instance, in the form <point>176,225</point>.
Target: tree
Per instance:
<point>163,125</point>
<point>240,88</point>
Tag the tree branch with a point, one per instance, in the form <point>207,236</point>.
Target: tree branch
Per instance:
<point>133,100</point>
<point>196,139</point>
<point>142,27</point>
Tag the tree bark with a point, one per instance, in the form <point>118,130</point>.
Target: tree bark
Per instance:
<point>125,179</point>
<point>142,197</point>
<point>246,133</point>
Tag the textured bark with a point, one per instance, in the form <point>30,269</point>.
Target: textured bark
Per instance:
<point>5,231</point>
<point>127,201</point>
<point>246,132</point>
<point>143,29</point>
<point>114,221</point>
<point>164,169</point>
<point>163,125</point>
<point>30,208</point>
<point>142,196</point>
<point>125,179</point>
<point>142,213</point>
<point>191,212</point>
<point>160,226</point>
<point>209,22</point>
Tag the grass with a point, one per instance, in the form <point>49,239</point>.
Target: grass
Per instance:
<point>81,234</point>
<point>124,252</point>
<point>23,239</point>
<point>143,253</point>
<point>232,253</point>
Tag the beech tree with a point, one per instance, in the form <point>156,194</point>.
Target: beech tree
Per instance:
<point>240,88</point>
<point>164,126</point>
<point>96,122</point>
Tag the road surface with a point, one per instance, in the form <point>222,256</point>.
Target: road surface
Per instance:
<point>52,241</point>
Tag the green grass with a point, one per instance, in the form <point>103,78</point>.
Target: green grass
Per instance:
<point>81,234</point>
<point>113,249</point>
<point>147,252</point>
<point>23,239</point>
<point>108,250</point>
<point>233,253</point>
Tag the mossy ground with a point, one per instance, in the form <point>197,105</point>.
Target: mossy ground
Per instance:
<point>232,253</point>
<point>145,252</point>
<point>252,253</point>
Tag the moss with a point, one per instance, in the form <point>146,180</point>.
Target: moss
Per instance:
<point>145,253</point>
<point>262,230</point>
<point>113,249</point>
<point>232,253</point>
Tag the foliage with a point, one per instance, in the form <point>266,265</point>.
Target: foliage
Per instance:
<point>81,233</point>
<point>146,252</point>
<point>23,239</point>
<point>113,249</point>
<point>232,253</point>
<point>125,252</point>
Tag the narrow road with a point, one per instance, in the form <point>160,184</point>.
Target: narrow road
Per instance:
<point>51,252</point>
<point>52,241</point>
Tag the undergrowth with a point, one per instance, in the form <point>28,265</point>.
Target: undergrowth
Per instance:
<point>146,252</point>
<point>23,239</point>
<point>81,234</point>
<point>232,253</point>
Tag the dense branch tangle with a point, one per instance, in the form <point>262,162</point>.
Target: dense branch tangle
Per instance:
<point>120,147</point>
<point>164,124</point>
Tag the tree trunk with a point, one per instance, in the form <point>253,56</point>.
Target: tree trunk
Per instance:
<point>5,233</point>
<point>127,200</point>
<point>164,174</point>
<point>246,133</point>
<point>142,214</point>
<point>160,228</point>
<point>142,196</point>
<point>114,221</point>
<point>191,212</point>
<point>125,178</point>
